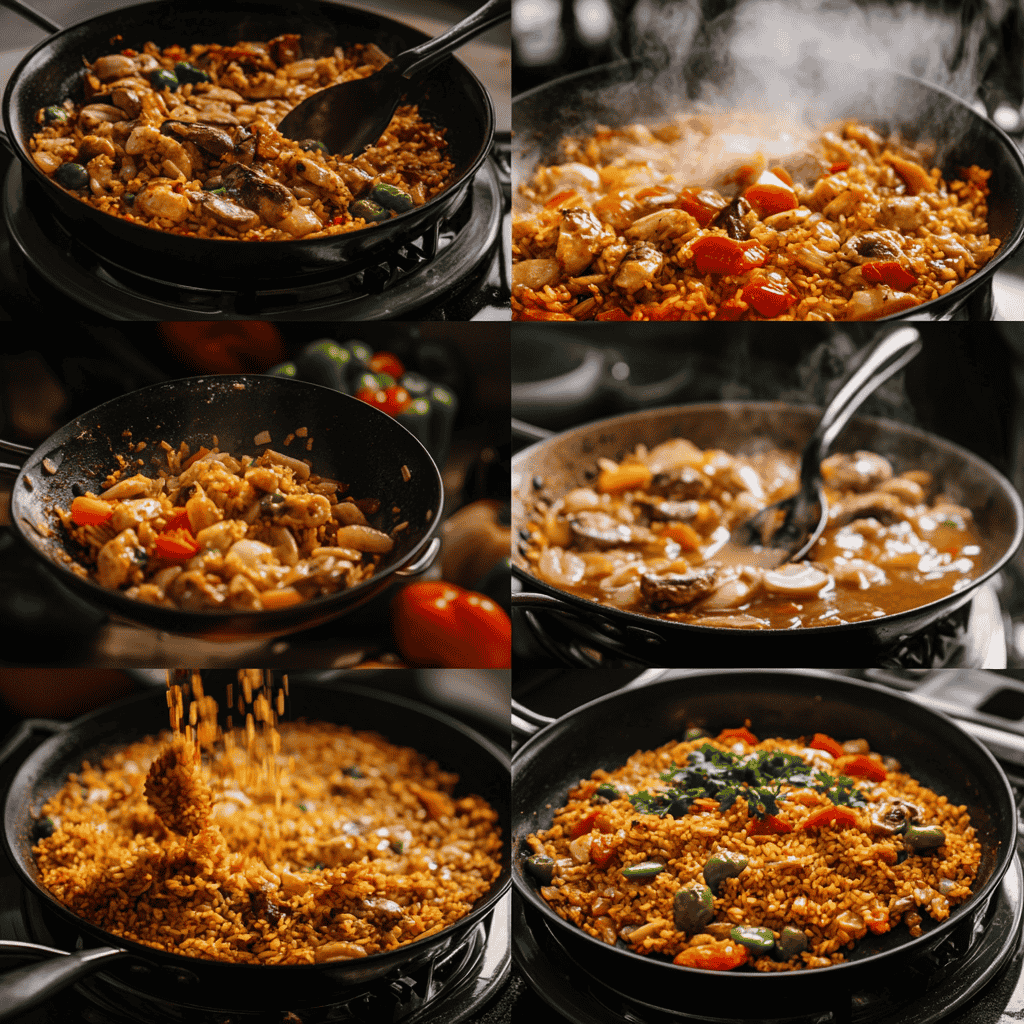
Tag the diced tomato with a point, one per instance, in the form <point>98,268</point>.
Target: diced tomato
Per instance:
<point>826,743</point>
<point>612,314</point>
<point>876,918</point>
<point>770,826</point>
<point>723,955</point>
<point>176,546</point>
<point>716,254</point>
<point>702,205</point>
<point>602,849</point>
<point>770,296</point>
<point>770,194</point>
<point>178,521</point>
<point>860,766</point>
<point>837,817</point>
<point>839,165</point>
<point>591,820</point>
<point>888,272</point>
<point>731,309</point>
<point>683,534</point>
<point>385,362</point>
<point>86,511</point>
<point>392,400</point>
<point>732,735</point>
<point>336,221</point>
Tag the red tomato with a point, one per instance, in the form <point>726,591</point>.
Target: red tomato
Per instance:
<point>179,521</point>
<point>442,625</point>
<point>731,309</point>
<point>732,735</point>
<point>702,206</point>
<point>826,743</point>
<point>590,821</point>
<point>177,546</point>
<point>837,817</point>
<point>86,511</point>
<point>769,296</point>
<point>613,314</point>
<point>860,766</point>
<point>716,254</point>
<point>888,272</point>
<point>769,198</point>
<point>385,362</point>
<point>770,826</point>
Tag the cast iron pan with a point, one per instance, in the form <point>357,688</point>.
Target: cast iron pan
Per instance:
<point>559,464</point>
<point>450,96</point>
<point>483,769</point>
<point>625,93</point>
<point>352,442</point>
<point>607,731</point>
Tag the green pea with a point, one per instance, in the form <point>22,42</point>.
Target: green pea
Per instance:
<point>189,73</point>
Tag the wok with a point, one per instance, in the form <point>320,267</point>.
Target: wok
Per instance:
<point>558,464</point>
<point>352,442</point>
<point>606,732</point>
<point>483,768</point>
<point>450,96</point>
<point>624,93</point>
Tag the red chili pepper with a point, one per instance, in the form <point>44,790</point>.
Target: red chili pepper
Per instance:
<point>86,511</point>
<point>839,165</point>
<point>837,817</point>
<point>715,956</point>
<point>385,362</point>
<point>716,254</point>
<point>731,735</point>
<point>860,766</point>
<point>176,546</point>
<point>442,625</point>
<point>731,309</point>
<point>826,743</point>
<point>888,272</point>
<point>769,296</point>
<point>770,826</point>
<point>590,821</point>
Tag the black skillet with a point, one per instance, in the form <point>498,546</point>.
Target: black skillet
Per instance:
<point>606,732</point>
<point>626,93</point>
<point>450,96</point>
<point>351,442</point>
<point>483,769</point>
<point>550,468</point>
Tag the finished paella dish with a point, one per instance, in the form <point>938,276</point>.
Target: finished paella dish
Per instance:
<point>213,531</point>
<point>650,534</point>
<point>185,141</point>
<point>731,851</point>
<point>726,217</point>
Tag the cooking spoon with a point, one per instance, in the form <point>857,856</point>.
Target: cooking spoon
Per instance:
<point>787,530</point>
<point>350,116</point>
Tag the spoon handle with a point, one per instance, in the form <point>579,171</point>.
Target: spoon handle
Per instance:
<point>886,358</point>
<point>426,55</point>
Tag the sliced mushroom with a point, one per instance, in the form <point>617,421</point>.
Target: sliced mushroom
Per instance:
<point>886,508</point>
<point>683,483</point>
<point>599,530</point>
<point>669,511</point>
<point>677,590</point>
<point>860,471</point>
<point>214,141</point>
<point>226,211</point>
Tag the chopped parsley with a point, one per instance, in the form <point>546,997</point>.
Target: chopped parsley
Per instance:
<point>757,777</point>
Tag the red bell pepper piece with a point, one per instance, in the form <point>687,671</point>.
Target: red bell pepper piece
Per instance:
<point>826,743</point>
<point>860,766</point>
<point>888,272</point>
<point>767,198</point>
<point>839,165</point>
<point>442,625</point>
<point>87,511</point>
<point>602,849</point>
<point>176,545</point>
<point>703,206</point>
<point>837,817</point>
<point>770,296</point>
<point>731,309</point>
<point>591,820</point>
<point>716,254</point>
<point>385,362</point>
<point>731,735</point>
<point>715,956</point>
<point>770,826</point>
<point>178,521</point>
<point>613,314</point>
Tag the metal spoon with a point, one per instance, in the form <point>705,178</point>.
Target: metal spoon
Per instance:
<point>786,531</point>
<point>348,117</point>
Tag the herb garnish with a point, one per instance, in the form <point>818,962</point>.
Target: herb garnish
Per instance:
<point>758,777</point>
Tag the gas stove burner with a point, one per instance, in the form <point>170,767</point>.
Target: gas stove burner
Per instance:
<point>448,259</point>
<point>932,989</point>
<point>449,989</point>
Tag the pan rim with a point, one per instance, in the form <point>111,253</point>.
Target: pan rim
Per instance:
<point>831,677</point>
<point>489,900</point>
<point>127,604</point>
<point>637,619</point>
<point>280,245</point>
<point>1006,249</point>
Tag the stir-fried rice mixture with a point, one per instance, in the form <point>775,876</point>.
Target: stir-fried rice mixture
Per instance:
<point>777,854</point>
<point>309,843</point>
<point>669,224</point>
<point>651,534</point>
<point>214,531</point>
<point>185,141</point>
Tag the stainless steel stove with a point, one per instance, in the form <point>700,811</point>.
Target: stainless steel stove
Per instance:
<point>979,980</point>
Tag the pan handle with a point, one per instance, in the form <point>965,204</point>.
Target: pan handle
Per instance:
<point>25,987</point>
<point>24,732</point>
<point>30,14</point>
<point>526,722</point>
<point>423,563</point>
<point>14,468</point>
<point>529,431</point>
<point>426,55</point>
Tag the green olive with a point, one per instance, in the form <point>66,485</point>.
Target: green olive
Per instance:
<point>71,175</point>
<point>927,837</point>
<point>645,869</point>
<point>723,864</point>
<point>55,115</point>
<point>541,867</point>
<point>790,942</point>
<point>189,73</point>
<point>163,79</point>
<point>758,940</point>
<point>692,907</point>
<point>391,197</point>
<point>607,791</point>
